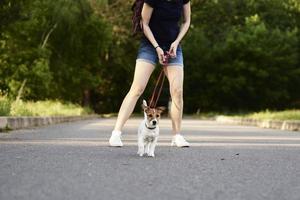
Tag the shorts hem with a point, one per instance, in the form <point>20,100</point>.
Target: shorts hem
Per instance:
<point>146,60</point>
<point>175,64</point>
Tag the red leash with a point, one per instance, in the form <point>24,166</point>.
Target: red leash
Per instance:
<point>154,98</point>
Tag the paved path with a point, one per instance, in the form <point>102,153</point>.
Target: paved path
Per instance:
<point>72,161</point>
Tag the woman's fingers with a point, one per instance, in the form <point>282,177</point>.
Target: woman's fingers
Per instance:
<point>172,51</point>
<point>161,58</point>
<point>164,57</point>
<point>160,53</point>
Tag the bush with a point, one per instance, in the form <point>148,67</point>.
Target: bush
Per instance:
<point>241,61</point>
<point>5,105</point>
<point>276,115</point>
<point>47,108</point>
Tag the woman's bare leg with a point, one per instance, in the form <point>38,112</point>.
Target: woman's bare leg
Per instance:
<point>143,71</point>
<point>175,76</point>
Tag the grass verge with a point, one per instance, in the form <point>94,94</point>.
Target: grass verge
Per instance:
<point>40,108</point>
<point>275,115</point>
<point>263,115</point>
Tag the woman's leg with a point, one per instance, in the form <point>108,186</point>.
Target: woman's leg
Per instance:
<point>143,71</point>
<point>175,76</point>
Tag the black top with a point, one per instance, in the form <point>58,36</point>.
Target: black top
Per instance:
<point>164,20</point>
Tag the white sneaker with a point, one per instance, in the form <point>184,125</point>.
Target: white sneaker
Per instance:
<point>115,139</point>
<point>179,141</point>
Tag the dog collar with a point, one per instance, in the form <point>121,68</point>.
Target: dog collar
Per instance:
<point>151,128</point>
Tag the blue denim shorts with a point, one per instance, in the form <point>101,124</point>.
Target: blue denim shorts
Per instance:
<point>148,53</point>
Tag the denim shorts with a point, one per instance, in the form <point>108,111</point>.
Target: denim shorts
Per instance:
<point>148,53</point>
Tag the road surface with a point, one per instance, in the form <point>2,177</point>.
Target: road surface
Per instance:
<point>73,161</point>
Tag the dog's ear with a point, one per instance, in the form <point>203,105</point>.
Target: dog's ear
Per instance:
<point>160,109</point>
<point>145,102</point>
<point>144,105</point>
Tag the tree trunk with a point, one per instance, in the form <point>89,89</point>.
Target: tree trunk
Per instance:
<point>86,100</point>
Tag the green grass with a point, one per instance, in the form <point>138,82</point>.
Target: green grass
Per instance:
<point>276,115</point>
<point>5,106</point>
<point>264,115</point>
<point>40,108</point>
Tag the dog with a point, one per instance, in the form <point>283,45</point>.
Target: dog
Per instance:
<point>148,131</point>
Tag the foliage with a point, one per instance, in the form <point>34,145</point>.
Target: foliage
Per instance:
<point>55,46</point>
<point>40,108</point>
<point>5,105</point>
<point>276,115</point>
<point>241,55</point>
<point>241,65</point>
<point>47,108</point>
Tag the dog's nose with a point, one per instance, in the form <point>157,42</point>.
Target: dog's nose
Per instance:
<point>154,122</point>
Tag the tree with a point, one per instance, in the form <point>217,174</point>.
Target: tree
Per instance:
<point>241,58</point>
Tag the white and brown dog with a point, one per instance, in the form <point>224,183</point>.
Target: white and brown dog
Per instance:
<point>148,131</point>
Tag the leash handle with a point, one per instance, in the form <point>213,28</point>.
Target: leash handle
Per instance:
<point>167,57</point>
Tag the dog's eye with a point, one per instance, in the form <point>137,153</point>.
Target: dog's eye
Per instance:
<point>150,115</point>
<point>157,115</point>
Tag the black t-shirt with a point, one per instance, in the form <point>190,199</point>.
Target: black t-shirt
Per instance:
<point>164,20</point>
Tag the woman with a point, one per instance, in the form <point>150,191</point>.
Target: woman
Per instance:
<point>161,33</point>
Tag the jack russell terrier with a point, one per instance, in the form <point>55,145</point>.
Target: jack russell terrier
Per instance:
<point>148,131</point>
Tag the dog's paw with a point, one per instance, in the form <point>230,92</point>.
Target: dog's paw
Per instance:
<point>151,155</point>
<point>140,153</point>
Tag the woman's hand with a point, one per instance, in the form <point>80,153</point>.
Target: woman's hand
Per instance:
<point>173,49</point>
<point>161,55</point>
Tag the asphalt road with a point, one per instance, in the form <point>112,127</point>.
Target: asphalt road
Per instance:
<point>73,161</point>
